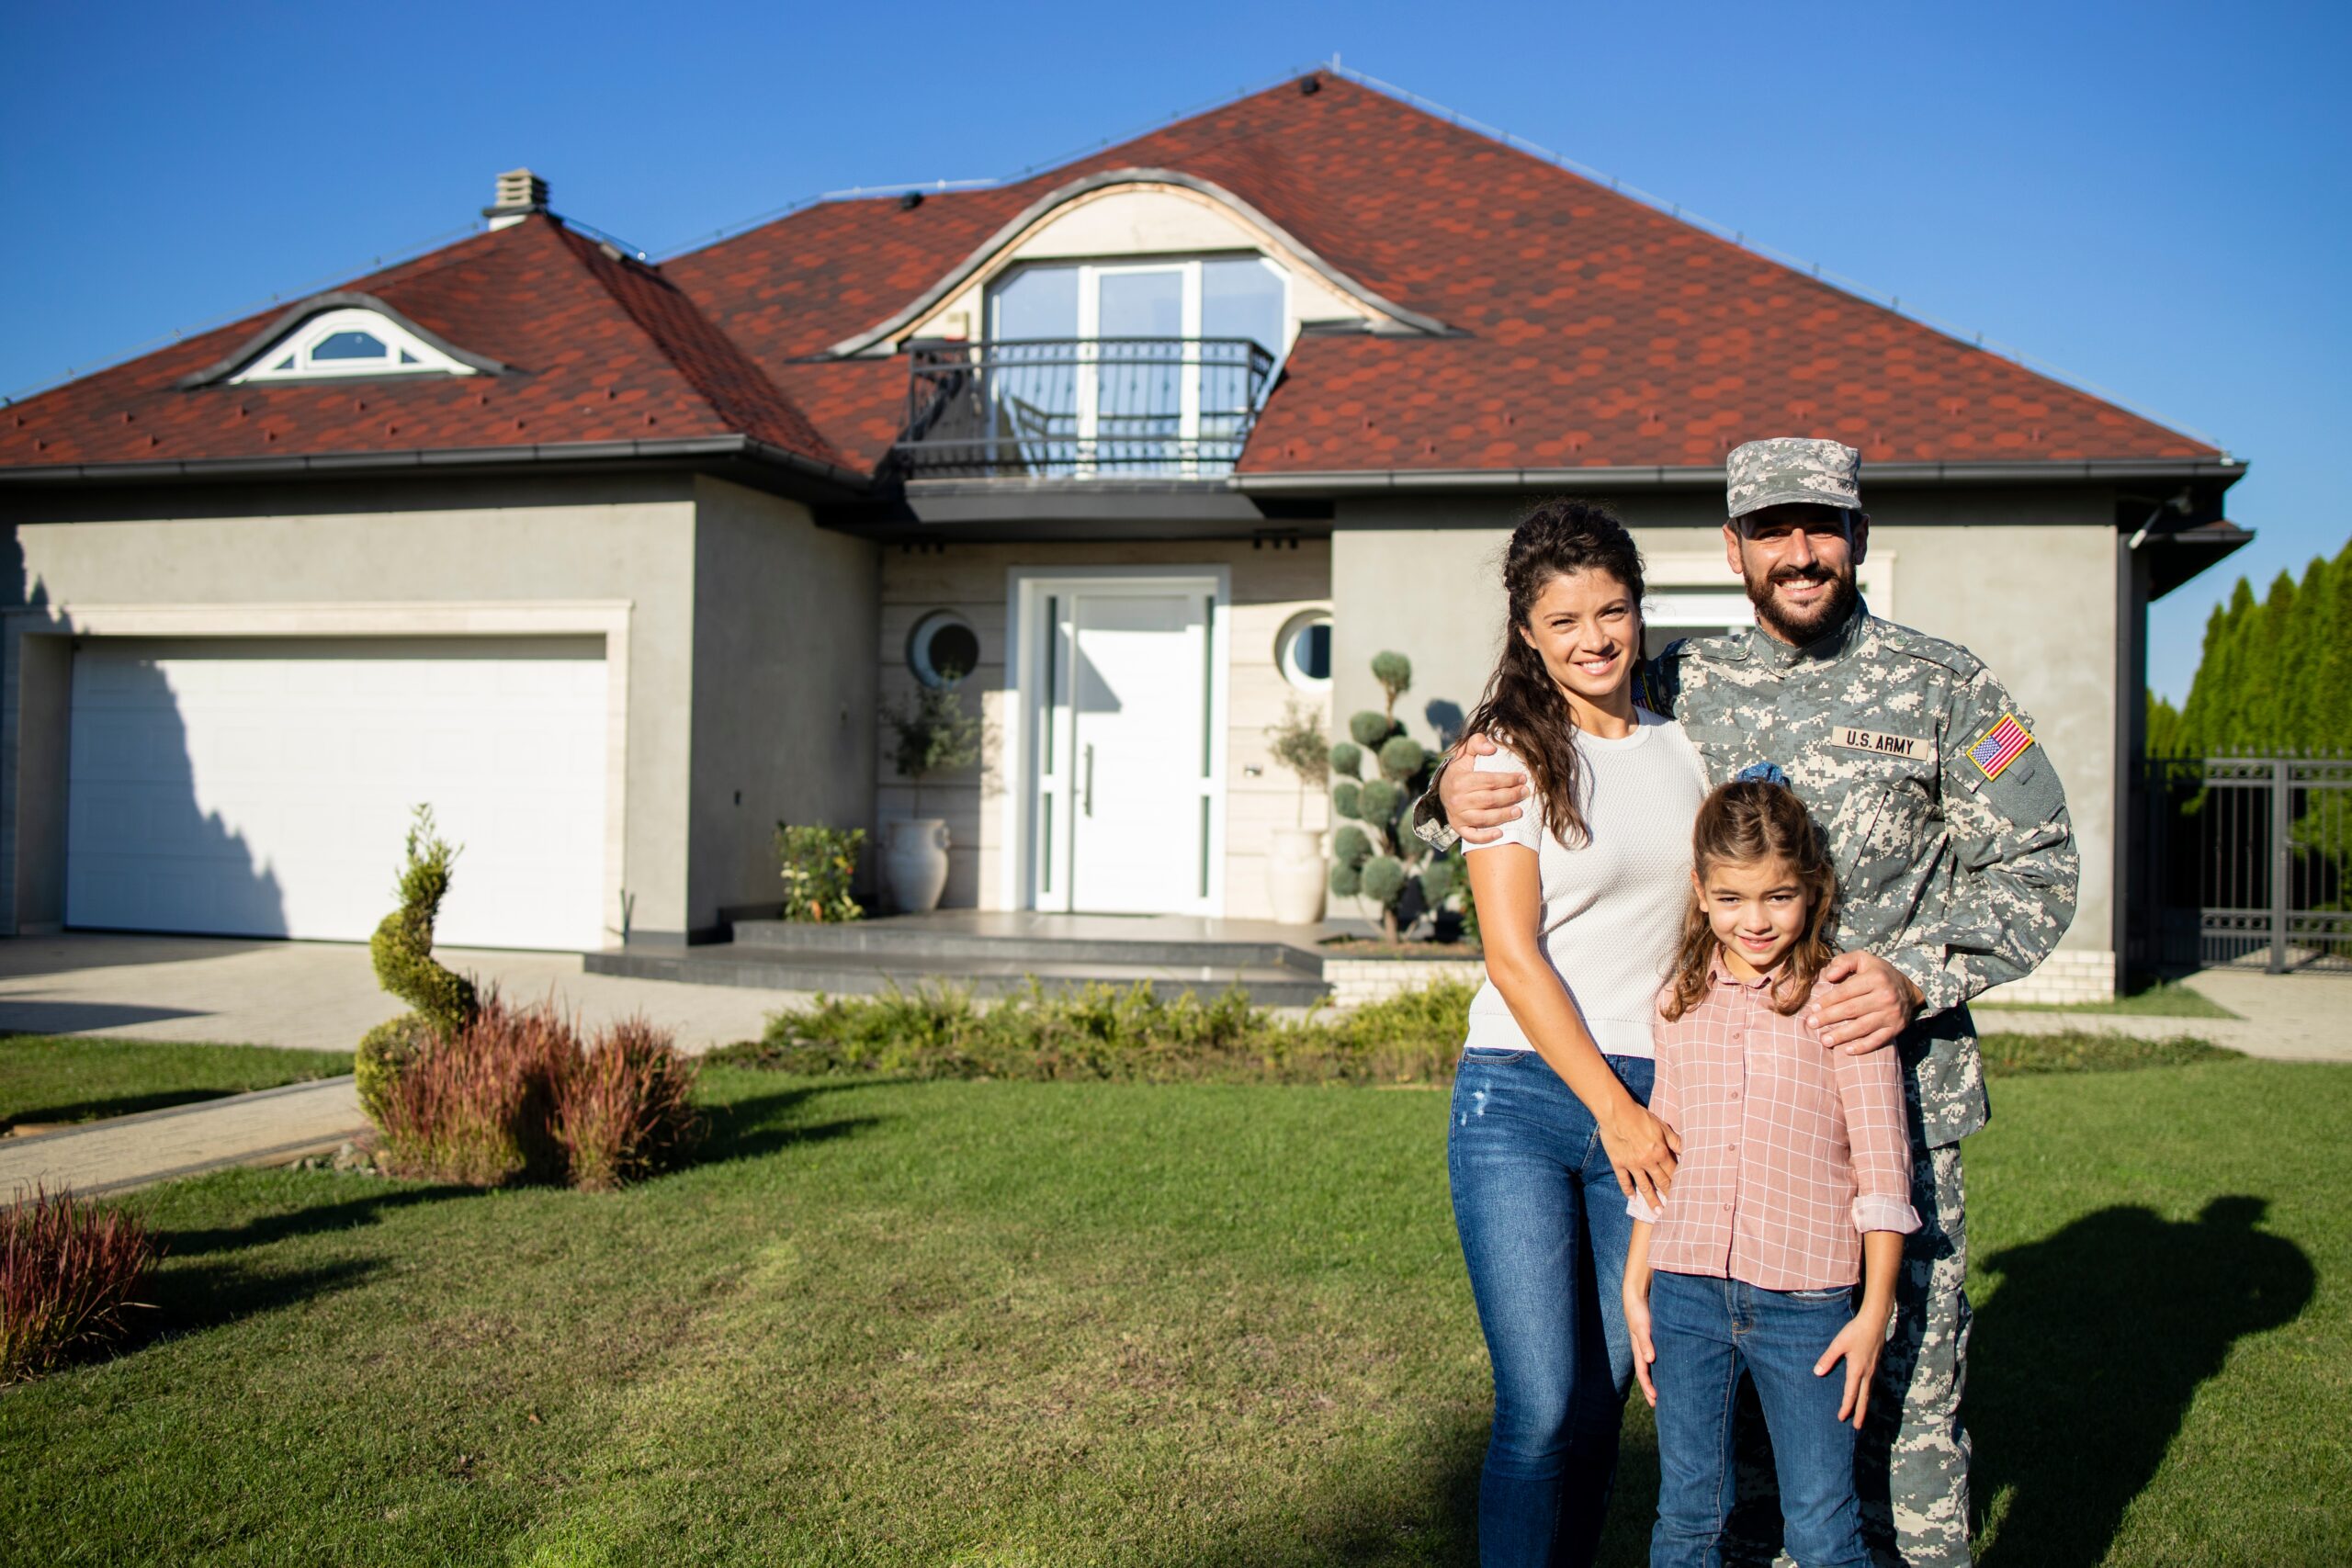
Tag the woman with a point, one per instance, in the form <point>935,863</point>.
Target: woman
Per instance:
<point>1580,905</point>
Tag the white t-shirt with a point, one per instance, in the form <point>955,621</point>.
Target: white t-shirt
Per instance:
<point>1613,906</point>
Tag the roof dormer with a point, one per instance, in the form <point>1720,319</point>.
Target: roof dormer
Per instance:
<point>339,336</point>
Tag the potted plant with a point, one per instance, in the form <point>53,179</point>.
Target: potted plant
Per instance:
<point>1294,877</point>
<point>934,736</point>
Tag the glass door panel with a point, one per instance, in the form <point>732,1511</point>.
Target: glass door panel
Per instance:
<point>1241,297</point>
<point>1140,380</point>
<point>1033,391</point>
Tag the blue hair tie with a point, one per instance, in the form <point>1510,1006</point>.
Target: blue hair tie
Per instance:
<point>1761,773</point>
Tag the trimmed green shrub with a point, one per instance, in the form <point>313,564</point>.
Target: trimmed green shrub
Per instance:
<point>402,950</point>
<point>933,735</point>
<point>1400,889</point>
<point>68,1269</point>
<point>1383,877</point>
<point>818,866</point>
<point>1134,1035</point>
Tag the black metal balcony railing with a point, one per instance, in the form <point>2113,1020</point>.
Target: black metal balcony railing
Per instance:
<point>1080,408</point>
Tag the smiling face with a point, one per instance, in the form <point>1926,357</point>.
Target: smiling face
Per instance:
<point>1757,909</point>
<point>1588,630</point>
<point>1798,562</point>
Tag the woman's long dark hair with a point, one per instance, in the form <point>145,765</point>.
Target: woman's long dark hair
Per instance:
<point>1742,823</point>
<point>1520,706</point>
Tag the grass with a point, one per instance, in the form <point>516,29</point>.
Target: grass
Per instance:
<point>2165,999</point>
<point>48,1079</point>
<point>1105,1322</point>
<point>2089,1051</point>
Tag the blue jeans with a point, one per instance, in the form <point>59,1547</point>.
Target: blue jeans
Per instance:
<point>1543,1231</point>
<point>1706,1331</point>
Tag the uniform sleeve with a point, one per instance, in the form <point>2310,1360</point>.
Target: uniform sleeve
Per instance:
<point>2015,866</point>
<point>1429,825</point>
<point>1526,830</point>
<point>1870,1090</point>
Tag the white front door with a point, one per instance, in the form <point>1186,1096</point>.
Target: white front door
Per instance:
<point>1127,814</point>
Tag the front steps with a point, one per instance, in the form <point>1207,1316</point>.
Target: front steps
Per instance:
<point>993,955</point>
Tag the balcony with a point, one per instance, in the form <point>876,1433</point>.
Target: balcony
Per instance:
<point>1110,407</point>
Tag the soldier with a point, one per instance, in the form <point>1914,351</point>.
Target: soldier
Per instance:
<point>1957,871</point>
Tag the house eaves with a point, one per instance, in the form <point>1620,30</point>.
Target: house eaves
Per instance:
<point>1374,481</point>
<point>799,475</point>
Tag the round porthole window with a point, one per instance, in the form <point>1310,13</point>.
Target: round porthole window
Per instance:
<point>942,649</point>
<point>1304,650</point>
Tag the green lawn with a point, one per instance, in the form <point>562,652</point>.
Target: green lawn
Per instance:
<point>46,1079</point>
<point>1010,1323</point>
<point>2166,998</point>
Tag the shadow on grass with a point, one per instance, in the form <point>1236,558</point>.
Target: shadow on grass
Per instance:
<point>77,1110</point>
<point>2083,1363</point>
<point>764,1125</point>
<point>309,1220</point>
<point>196,1298</point>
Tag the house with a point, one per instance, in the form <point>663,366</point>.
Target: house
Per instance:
<point>617,563</point>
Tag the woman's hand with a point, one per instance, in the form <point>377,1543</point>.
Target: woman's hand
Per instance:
<point>1642,1151</point>
<point>1858,1345</point>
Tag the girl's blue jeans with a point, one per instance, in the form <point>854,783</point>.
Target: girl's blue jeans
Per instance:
<point>1543,1231</point>
<point>1706,1332</point>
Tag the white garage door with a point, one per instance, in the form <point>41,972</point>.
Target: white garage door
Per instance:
<point>263,787</point>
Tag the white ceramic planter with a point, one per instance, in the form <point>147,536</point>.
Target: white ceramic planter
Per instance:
<point>1296,876</point>
<point>914,862</point>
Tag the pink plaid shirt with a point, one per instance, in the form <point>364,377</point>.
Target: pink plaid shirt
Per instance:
<point>1790,1150</point>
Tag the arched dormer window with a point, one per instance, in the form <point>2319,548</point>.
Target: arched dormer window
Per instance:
<point>350,340</point>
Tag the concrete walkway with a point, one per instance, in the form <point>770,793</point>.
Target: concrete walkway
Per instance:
<point>271,1126</point>
<point>322,995</point>
<point>2286,1017</point>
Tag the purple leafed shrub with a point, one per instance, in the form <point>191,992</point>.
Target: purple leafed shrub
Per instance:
<point>626,1109</point>
<point>68,1267</point>
<point>478,1106</point>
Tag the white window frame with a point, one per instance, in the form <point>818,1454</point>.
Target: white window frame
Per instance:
<point>305,339</point>
<point>1090,319</point>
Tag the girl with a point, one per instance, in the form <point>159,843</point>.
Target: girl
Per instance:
<point>1579,906</point>
<point>1794,1182</point>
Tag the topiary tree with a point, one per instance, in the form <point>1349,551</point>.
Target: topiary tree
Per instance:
<point>441,1000</point>
<point>1376,855</point>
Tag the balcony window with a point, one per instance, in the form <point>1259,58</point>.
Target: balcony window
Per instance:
<point>1110,369</point>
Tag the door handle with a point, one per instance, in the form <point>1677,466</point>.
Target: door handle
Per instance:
<point>1090,780</point>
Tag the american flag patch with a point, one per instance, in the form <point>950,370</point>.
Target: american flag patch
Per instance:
<point>2002,744</point>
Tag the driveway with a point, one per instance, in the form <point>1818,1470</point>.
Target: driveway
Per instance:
<point>317,994</point>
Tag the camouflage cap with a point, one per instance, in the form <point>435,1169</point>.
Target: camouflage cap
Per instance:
<point>1792,468</point>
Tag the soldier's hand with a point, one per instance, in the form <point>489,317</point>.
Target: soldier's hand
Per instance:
<point>1477,805</point>
<point>1861,1002</point>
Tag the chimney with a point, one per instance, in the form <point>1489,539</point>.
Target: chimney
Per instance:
<point>520,194</point>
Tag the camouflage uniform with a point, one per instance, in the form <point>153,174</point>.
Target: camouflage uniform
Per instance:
<point>1962,876</point>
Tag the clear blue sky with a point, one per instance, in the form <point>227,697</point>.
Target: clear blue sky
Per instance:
<point>2156,197</point>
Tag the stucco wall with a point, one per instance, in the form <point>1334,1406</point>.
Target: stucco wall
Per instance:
<point>2026,580</point>
<point>510,542</point>
<point>1269,585</point>
<point>784,678</point>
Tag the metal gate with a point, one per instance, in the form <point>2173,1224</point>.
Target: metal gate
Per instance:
<point>2244,860</point>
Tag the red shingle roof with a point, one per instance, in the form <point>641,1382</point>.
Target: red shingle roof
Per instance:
<point>602,350</point>
<point>1591,331</point>
<point>1598,331</point>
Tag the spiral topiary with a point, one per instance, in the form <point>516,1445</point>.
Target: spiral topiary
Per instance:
<point>1384,863</point>
<point>441,1000</point>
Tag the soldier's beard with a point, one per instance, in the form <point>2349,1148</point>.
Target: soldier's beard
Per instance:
<point>1791,625</point>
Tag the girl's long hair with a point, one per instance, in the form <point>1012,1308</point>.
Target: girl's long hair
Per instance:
<point>1740,824</point>
<point>1520,705</point>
